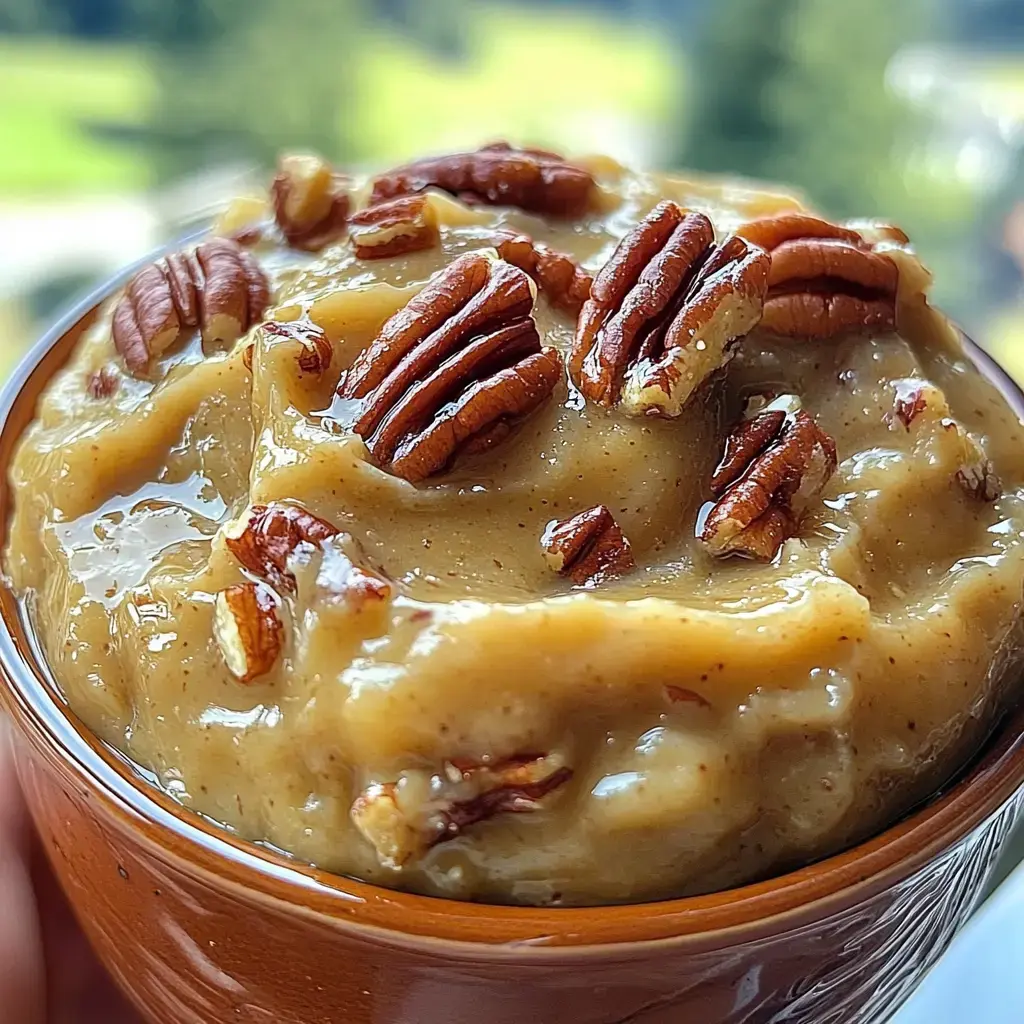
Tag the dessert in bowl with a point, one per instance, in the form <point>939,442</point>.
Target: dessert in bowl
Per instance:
<point>524,531</point>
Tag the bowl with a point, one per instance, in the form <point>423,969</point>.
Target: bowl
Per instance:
<point>198,926</point>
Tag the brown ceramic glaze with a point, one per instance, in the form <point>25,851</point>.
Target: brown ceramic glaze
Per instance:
<point>198,927</point>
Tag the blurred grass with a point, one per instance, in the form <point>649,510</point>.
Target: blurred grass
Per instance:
<point>536,74</point>
<point>53,95</point>
<point>69,110</point>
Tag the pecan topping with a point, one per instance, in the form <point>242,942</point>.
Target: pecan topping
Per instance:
<point>681,695</point>
<point>407,224</point>
<point>451,372</point>
<point>340,579</point>
<point>248,630</point>
<point>102,383</point>
<point>976,475</point>
<point>557,275</point>
<point>911,400</point>
<point>314,350</point>
<point>665,311</point>
<point>468,793</point>
<point>497,174</point>
<point>311,201</point>
<point>268,537</point>
<point>588,548</point>
<point>772,466</point>
<point>824,280</point>
<point>218,287</point>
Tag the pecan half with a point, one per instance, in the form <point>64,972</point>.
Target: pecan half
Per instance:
<point>401,829</point>
<point>248,629</point>
<point>773,465</point>
<point>311,201</point>
<point>217,287</point>
<point>314,349</point>
<point>558,275</point>
<point>497,174</point>
<point>102,383</point>
<point>403,225</point>
<point>825,279</point>
<point>589,548</point>
<point>451,372</point>
<point>664,312</point>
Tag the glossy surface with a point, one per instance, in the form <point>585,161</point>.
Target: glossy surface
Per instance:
<point>830,690</point>
<point>200,928</point>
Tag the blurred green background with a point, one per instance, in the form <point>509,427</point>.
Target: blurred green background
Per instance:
<point>122,120</point>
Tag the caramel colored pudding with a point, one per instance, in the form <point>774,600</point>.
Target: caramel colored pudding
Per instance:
<point>640,537</point>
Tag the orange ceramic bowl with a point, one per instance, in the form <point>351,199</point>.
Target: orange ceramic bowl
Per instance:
<point>197,926</point>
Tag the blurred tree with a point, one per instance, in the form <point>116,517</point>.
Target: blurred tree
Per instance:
<point>242,79</point>
<point>794,90</point>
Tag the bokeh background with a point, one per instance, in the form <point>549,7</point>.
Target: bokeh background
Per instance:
<point>123,120</point>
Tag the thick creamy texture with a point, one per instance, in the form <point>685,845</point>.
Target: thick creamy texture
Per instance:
<point>840,684</point>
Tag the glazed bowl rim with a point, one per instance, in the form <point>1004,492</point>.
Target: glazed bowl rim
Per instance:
<point>209,851</point>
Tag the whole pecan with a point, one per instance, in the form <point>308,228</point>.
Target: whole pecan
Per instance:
<point>248,629</point>
<point>773,466</point>
<point>217,287</point>
<point>665,311</point>
<point>407,224</point>
<point>498,174</point>
<point>588,548</point>
<point>558,275</point>
<point>268,537</point>
<point>451,372</point>
<point>825,279</point>
<point>311,201</point>
<point>466,794</point>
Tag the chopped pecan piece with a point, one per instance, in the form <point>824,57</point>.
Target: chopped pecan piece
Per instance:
<point>248,629</point>
<point>217,287</point>
<point>558,276</point>
<point>588,548</point>
<point>315,351</point>
<point>407,224</point>
<point>664,312</point>
<point>681,695</point>
<point>340,578</point>
<point>912,398</point>
<point>976,475</point>
<point>400,829</point>
<point>824,279</point>
<point>102,383</point>
<point>267,537</point>
<point>311,201</point>
<point>497,174</point>
<point>773,466</point>
<point>451,372</point>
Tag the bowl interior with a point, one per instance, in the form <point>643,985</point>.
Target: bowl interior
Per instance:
<point>207,849</point>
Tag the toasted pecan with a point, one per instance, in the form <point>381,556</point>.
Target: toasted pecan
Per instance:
<point>825,278</point>
<point>311,201</point>
<point>393,228</point>
<point>217,287</point>
<point>589,547</point>
<point>558,275</point>
<point>498,174</point>
<point>664,312</point>
<point>772,467</point>
<point>452,371</point>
